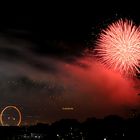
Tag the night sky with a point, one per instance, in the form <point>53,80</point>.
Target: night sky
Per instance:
<point>46,64</point>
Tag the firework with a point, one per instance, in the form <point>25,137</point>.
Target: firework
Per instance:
<point>118,47</point>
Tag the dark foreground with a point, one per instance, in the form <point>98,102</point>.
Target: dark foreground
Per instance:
<point>109,128</point>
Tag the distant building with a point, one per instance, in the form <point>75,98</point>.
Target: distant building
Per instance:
<point>31,136</point>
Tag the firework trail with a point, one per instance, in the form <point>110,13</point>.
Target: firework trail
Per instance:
<point>118,47</point>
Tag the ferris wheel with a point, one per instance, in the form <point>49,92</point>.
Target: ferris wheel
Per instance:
<point>10,116</point>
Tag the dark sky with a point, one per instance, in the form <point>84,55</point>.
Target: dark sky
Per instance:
<point>44,65</point>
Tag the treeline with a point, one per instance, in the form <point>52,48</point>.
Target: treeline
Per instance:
<point>110,128</point>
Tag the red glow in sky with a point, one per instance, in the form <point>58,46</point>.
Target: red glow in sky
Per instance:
<point>100,90</point>
<point>119,47</point>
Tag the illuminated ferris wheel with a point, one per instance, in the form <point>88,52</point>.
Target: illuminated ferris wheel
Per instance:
<point>10,116</point>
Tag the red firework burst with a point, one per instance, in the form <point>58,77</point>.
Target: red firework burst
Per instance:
<point>118,47</point>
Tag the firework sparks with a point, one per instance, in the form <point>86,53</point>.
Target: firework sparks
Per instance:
<point>118,47</point>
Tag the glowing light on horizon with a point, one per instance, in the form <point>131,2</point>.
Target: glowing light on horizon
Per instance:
<point>67,108</point>
<point>15,108</point>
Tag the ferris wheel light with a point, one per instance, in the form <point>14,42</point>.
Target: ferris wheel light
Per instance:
<point>13,107</point>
